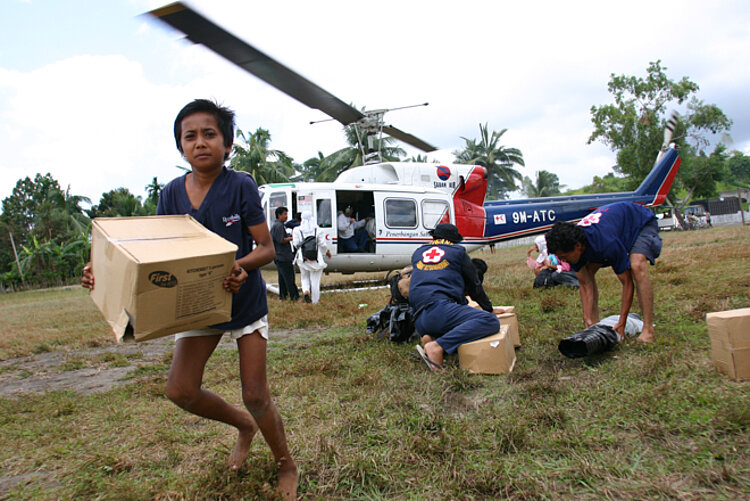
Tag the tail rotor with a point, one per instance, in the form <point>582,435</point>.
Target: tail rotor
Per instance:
<point>668,133</point>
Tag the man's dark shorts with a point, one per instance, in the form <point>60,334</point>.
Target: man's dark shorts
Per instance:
<point>648,242</point>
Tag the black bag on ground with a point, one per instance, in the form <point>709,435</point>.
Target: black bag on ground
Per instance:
<point>397,318</point>
<point>309,247</point>
<point>590,341</point>
<point>551,278</point>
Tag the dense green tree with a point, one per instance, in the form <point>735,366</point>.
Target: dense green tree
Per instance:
<point>498,159</point>
<point>609,183</point>
<point>36,207</point>
<point>546,184</point>
<point>39,208</point>
<point>702,172</point>
<point>117,203</point>
<point>633,127</point>
<point>739,166</point>
<point>50,263</point>
<point>49,230</point>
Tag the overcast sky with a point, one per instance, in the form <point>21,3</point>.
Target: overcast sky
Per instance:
<point>89,89</point>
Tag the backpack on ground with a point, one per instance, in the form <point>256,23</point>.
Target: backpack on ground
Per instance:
<point>547,278</point>
<point>396,320</point>
<point>309,247</point>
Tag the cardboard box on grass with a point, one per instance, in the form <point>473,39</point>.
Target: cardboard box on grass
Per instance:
<point>730,342</point>
<point>508,318</point>
<point>490,355</point>
<point>158,275</point>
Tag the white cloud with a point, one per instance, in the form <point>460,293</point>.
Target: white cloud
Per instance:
<point>92,122</point>
<point>98,122</point>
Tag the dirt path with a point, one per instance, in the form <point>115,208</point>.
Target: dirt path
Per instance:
<point>94,370</point>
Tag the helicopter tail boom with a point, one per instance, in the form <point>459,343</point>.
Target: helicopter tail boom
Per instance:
<point>510,219</point>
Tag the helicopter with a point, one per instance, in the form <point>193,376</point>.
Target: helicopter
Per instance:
<point>405,199</point>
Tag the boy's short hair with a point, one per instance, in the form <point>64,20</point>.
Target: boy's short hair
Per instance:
<point>280,211</point>
<point>564,236</point>
<point>224,118</point>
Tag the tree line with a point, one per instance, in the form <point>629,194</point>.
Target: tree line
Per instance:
<point>44,230</point>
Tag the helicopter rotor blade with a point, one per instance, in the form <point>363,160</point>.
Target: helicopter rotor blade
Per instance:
<point>200,30</point>
<point>408,138</point>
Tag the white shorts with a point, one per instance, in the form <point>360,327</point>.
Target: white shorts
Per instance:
<point>260,325</point>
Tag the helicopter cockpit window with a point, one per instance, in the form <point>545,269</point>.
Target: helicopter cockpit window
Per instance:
<point>278,199</point>
<point>435,212</point>
<point>401,213</point>
<point>324,219</point>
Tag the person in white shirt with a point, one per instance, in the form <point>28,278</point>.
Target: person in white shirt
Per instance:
<point>352,235</point>
<point>540,246</point>
<point>311,271</point>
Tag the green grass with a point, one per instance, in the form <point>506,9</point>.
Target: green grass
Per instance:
<point>365,420</point>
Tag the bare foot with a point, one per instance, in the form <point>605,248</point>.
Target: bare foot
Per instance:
<point>434,352</point>
<point>242,447</point>
<point>646,337</point>
<point>425,339</point>
<point>288,479</point>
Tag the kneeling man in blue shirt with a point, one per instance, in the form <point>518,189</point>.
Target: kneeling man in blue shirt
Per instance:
<point>442,276</point>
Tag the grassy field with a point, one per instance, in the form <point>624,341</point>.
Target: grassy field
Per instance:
<point>365,420</point>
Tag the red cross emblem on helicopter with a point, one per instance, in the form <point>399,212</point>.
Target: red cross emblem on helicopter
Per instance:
<point>433,255</point>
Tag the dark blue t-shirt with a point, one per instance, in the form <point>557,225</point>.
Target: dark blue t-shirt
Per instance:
<point>442,271</point>
<point>231,205</point>
<point>284,252</point>
<point>611,231</point>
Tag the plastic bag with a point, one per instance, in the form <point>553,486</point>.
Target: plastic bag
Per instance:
<point>633,324</point>
<point>600,337</point>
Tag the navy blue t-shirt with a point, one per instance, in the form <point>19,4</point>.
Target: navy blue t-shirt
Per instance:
<point>231,205</point>
<point>611,231</point>
<point>442,271</point>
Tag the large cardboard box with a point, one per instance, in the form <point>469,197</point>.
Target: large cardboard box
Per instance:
<point>159,275</point>
<point>730,341</point>
<point>510,319</point>
<point>490,355</point>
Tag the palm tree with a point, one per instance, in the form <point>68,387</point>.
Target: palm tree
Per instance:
<point>351,155</point>
<point>153,189</point>
<point>254,156</point>
<point>311,168</point>
<point>498,159</point>
<point>331,166</point>
<point>547,184</point>
<point>422,159</point>
<point>77,220</point>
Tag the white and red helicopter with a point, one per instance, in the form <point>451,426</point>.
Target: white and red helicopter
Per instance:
<point>407,199</point>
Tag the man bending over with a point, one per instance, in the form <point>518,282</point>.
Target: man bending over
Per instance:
<point>623,235</point>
